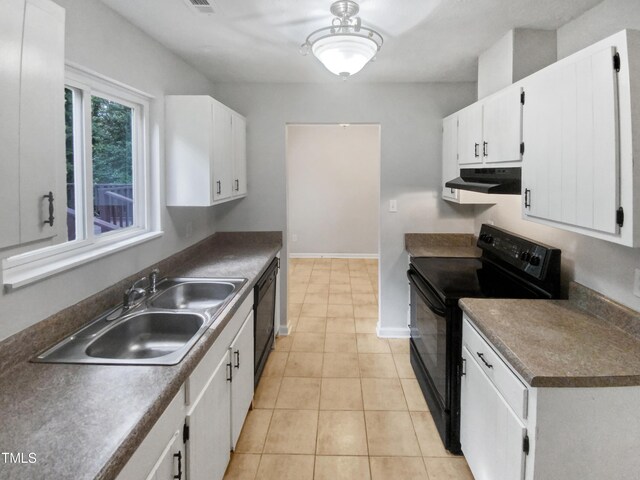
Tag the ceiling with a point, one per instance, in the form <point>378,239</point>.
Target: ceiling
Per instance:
<point>258,40</point>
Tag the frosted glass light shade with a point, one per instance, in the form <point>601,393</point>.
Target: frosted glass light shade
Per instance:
<point>344,55</point>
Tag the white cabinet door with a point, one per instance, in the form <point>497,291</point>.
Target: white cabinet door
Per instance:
<point>171,465</point>
<point>450,156</point>
<point>470,135</point>
<point>242,384</point>
<point>189,123</point>
<point>222,152</point>
<point>490,433</point>
<point>31,120</point>
<point>502,127</point>
<point>571,161</point>
<point>205,152</point>
<point>209,422</point>
<point>41,119</point>
<point>239,130</point>
<point>11,22</point>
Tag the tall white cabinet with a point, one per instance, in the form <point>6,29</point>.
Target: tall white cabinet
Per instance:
<point>32,158</point>
<point>572,130</point>
<point>580,170</point>
<point>205,150</point>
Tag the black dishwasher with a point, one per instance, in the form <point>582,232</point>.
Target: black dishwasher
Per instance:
<point>264,309</point>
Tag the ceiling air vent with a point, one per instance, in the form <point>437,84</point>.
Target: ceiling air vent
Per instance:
<point>200,6</point>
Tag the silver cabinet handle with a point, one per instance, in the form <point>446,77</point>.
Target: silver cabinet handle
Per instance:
<point>237,185</point>
<point>219,187</point>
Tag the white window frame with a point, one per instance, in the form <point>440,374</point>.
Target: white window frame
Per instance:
<point>32,266</point>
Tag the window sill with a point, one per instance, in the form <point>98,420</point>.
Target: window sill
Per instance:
<point>22,275</point>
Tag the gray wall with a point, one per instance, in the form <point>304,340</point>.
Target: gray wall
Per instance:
<point>333,179</point>
<point>603,266</point>
<point>603,20</point>
<point>101,40</point>
<point>410,116</point>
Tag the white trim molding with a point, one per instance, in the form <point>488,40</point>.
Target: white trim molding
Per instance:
<point>395,332</point>
<point>335,255</point>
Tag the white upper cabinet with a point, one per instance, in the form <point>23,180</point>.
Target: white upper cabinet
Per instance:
<point>31,120</point>
<point>239,130</point>
<point>222,155</point>
<point>201,146</point>
<point>450,169</point>
<point>470,135</point>
<point>502,127</point>
<point>490,131</point>
<point>578,171</point>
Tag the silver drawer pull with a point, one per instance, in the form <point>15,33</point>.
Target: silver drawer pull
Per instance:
<point>481,356</point>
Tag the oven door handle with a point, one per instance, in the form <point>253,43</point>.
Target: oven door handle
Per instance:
<point>435,305</point>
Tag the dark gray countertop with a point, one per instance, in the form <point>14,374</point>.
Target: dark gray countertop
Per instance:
<point>85,421</point>
<point>557,343</point>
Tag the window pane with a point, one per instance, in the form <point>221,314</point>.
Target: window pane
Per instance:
<point>113,198</point>
<point>71,185</point>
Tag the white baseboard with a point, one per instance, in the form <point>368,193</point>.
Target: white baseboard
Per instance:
<point>392,332</point>
<point>334,255</point>
<point>283,330</point>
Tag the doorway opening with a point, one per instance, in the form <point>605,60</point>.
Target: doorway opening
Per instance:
<point>333,203</point>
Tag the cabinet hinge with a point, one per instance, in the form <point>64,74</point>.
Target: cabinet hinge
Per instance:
<point>620,217</point>
<point>525,444</point>
<point>522,148</point>
<point>185,433</point>
<point>616,62</point>
<point>522,98</point>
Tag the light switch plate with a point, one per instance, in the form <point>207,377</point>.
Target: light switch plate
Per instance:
<point>393,206</point>
<point>294,237</point>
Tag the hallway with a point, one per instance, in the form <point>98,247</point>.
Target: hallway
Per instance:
<point>335,401</point>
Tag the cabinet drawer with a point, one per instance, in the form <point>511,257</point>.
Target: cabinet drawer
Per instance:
<point>512,389</point>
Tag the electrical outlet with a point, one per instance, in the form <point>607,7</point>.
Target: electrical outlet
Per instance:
<point>636,283</point>
<point>393,205</point>
<point>294,237</point>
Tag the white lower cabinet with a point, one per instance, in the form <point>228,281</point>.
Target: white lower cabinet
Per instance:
<point>209,426</point>
<point>161,455</point>
<point>241,352</point>
<point>510,430</point>
<point>491,433</point>
<point>170,465</point>
<point>194,436</point>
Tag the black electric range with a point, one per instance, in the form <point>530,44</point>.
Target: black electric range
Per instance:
<point>510,267</point>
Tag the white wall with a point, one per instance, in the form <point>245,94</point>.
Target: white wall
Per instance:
<point>410,116</point>
<point>495,66</point>
<point>333,178</point>
<point>603,266</point>
<point>99,39</point>
<point>603,20</point>
<point>516,55</point>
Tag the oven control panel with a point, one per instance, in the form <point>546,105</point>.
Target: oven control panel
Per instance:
<point>524,254</point>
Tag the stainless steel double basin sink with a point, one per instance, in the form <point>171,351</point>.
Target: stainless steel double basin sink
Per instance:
<point>158,331</point>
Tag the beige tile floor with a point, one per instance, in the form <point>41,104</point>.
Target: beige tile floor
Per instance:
<point>335,401</point>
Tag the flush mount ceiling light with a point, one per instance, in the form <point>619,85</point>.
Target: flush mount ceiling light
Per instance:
<point>346,46</point>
